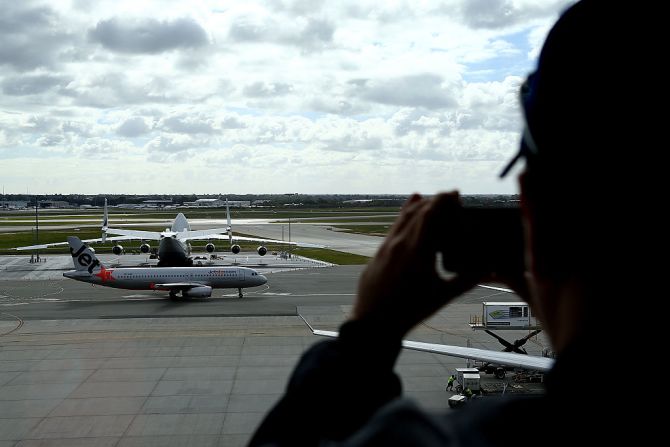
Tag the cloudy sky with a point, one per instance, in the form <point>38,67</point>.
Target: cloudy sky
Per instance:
<point>276,96</point>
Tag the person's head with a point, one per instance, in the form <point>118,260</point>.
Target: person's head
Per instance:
<point>581,122</point>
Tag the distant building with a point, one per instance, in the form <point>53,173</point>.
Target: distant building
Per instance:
<point>156,203</point>
<point>13,204</point>
<point>238,203</point>
<point>54,204</point>
<point>358,201</point>
<point>219,203</point>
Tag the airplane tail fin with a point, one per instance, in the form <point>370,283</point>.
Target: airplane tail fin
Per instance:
<point>105,223</point>
<point>180,224</point>
<point>83,256</point>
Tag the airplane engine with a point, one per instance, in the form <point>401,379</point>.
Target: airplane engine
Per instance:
<point>145,248</point>
<point>210,248</point>
<point>262,250</point>
<point>235,249</point>
<point>198,292</point>
<point>117,250</point>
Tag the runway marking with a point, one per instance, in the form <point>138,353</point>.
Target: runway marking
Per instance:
<point>18,326</point>
<point>36,297</point>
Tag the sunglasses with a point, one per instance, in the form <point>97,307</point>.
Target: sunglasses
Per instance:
<point>527,147</point>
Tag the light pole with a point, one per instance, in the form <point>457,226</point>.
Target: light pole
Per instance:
<point>37,230</point>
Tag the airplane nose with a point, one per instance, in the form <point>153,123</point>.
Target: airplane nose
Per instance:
<point>262,280</point>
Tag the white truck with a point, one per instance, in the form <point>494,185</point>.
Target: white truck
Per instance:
<point>467,378</point>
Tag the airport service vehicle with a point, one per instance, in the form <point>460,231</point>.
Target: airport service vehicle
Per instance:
<point>467,378</point>
<point>191,282</point>
<point>457,400</point>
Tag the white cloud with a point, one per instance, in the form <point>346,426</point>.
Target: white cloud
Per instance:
<point>422,90</point>
<point>133,127</point>
<point>33,35</point>
<point>352,96</point>
<point>148,35</point>
<point>188,124</point>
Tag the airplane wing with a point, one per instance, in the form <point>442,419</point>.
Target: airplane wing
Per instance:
<point>132,234</point>
<point>226,234</point>
<point>56,244</point>
<point>43,246</point>
<point>235,239</point>
<point>275,241</point>
<point>214,233</point>
<point>531,362</point>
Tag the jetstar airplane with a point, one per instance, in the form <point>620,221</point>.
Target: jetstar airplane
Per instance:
<point>174,248</point>
<point>189,281</point>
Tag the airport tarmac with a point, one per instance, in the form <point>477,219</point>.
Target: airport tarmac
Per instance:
<point>83,365</point>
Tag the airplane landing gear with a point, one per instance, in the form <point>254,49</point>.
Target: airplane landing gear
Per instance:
<point>175,297</point>
<point>240,292</point>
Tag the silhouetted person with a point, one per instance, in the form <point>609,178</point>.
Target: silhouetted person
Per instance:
<point>586,135</point>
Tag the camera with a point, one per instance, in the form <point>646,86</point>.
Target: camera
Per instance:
<point>483,241</point>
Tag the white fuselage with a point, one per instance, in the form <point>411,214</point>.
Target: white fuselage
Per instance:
<point>165,278</point>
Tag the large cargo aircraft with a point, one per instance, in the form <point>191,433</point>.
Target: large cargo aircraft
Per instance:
<point>174,248</point>
<point>189,281</point>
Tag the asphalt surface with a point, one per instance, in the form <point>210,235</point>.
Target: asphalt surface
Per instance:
<point>83,365</point>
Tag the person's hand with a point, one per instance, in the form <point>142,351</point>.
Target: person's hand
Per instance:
<point>401,287</point>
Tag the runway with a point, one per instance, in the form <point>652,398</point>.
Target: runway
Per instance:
<point>83,365</point>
